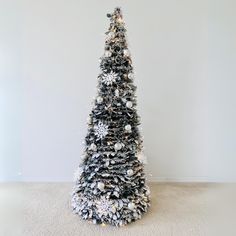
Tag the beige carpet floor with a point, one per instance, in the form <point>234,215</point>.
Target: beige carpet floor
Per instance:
<point>43,209</point>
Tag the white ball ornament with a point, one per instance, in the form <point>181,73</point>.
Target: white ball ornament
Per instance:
<point>142,158</point>
<point>131,206</point>
<point>128,127</point>
<point>117,93</point>
<point>129,104</point>
<point>83,157</point>
<point>120,20</point>
<point>110,36</point>
<point>94,221</point>
<point>101,186</point>
<point>118,146</point>
<point>93,147</point>
<point>126,52</point>
<point>99,99</point>
<point>107,53</point>
<point>130,172</point>
<point>89,120</point>
<point>116,194</point>
<point>130,75</point>
<point>78,173</point>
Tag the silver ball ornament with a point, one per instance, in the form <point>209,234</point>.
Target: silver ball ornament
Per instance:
<point>128,127</point>
<point>117,93</point>
<point>110,36</point>
<point>142,158</point>
<point>130,172</point>
<point>94,221</point>
<point>131,206</point>
<point>93,147</point>
<point>107,53</point>
<point>78,173</point>
<point>126,52</point>
<point>118,146</point>
<point>129,104</point>
<point>83,157</point>
<point>130,75</point>
<point>99,99</point>
<point>120,20</point>
<point>116,194</point>
<point>89,120</point>
<point>101,186</point>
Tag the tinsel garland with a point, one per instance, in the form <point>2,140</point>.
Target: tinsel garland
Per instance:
<point>110,186</point>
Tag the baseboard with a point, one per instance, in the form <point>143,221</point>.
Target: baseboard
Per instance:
<point>191,179</point>
<point>158,179</point>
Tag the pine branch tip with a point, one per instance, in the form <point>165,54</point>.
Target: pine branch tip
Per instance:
<point>117,13</point>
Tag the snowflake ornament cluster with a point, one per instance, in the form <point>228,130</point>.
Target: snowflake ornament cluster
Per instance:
<point>101,130</point>
<point>109,78</point>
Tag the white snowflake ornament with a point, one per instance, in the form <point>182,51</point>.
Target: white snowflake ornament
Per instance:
<point>105,206</point>
<point>101,130</point>
<point>109,78</point>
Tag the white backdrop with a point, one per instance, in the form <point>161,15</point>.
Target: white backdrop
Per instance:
<point>184,56</point>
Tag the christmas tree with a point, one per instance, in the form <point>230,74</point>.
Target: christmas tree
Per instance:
<point>110,181</point>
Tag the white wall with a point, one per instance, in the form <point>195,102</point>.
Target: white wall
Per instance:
<point>184,56</point>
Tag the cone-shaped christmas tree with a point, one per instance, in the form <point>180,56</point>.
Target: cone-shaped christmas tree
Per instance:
<point>110,182</point>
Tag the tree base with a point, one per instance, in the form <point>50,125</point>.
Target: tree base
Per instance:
<point>116,212</point>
